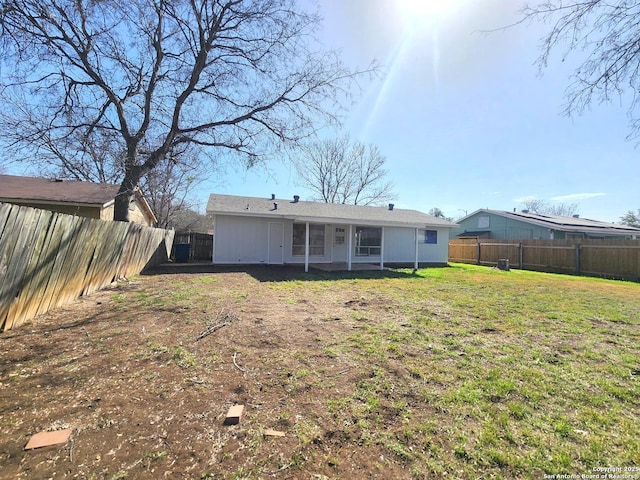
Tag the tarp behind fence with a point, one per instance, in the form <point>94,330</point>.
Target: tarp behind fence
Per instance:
<point>48,259</point>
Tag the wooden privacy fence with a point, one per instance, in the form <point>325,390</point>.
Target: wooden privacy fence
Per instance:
<point>48,259</point>
<point>201,245</point>
<point>610,258</point>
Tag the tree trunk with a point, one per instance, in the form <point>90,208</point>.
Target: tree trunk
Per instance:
<point>126,193</point>
<point>121,205</point>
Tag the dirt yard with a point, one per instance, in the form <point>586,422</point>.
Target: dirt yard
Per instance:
<point>146,398</point>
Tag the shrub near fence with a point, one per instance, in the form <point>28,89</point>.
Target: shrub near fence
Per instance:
<point>48,259</point>
<point>610,258</point>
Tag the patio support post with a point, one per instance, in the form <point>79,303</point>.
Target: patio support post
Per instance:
<point>415,261</point>
<point>306,248</point>
<point>213,243</point>
<point>349,246</point>
<point>382,249</point>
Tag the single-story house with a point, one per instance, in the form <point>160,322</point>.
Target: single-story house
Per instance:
<point>84,199</point>
<point>498,224</point>
<point>250,230</point>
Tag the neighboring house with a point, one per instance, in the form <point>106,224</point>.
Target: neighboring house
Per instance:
<point>498,224</point>
<point>250,230</point>
<point>84,199</point>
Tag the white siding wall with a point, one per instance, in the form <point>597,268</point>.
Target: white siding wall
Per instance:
<point>240,239</point>
<point>245,240</point>
<point>438,253</point>
<point>400,246</point>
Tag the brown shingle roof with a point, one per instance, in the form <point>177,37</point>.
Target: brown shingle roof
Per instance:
<point>50,190</point>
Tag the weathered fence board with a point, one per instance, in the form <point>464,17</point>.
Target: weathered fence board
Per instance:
<point>30,290</point>
<point>48,259</point>
<point>611,258</point>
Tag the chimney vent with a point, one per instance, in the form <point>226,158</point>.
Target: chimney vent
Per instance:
<point>391,205</point>
<point>296,198</point>
<point>275,205</point>
<point>273,196</point>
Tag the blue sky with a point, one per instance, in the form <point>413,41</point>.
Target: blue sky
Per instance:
<point>463,118</point>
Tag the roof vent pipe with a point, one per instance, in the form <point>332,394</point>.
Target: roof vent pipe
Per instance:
<point>391,206</point>
<point>273,196</point>
<point>275,205</point>
<point>296,198</point>
<point>576,216</point>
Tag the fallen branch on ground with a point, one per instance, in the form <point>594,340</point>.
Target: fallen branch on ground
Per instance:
<point>235,364</point>
<point>227,319</point>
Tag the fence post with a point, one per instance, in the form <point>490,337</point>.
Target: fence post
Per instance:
<point>520,256</point>
<point>478,245</point>
<point>577,259</point>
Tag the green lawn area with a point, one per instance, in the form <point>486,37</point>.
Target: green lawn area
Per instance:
<point>493,374</point>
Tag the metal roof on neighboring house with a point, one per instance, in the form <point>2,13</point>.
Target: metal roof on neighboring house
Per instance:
<point>565,224</point>
<point>321,212</point>
<point>56,190</point>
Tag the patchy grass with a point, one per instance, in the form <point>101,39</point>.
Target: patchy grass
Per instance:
<point>459,372</point>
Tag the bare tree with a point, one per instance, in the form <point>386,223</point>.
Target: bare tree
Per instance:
<point>188,220</point>
<point>168,186</point>
<point>605,36</point>
<point>534,205</point>
<point>341,171</point>
<point>542,207</point>
<point>438,213</point>
<point>631,219</point>
<point>242,76</point>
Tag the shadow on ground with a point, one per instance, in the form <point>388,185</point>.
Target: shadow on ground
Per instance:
<point>277,273</point>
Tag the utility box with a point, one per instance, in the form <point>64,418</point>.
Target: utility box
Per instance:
<point>503,264</point>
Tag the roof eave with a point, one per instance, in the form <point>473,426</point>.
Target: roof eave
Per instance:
<point>30,201</point>
<point>336,220</point>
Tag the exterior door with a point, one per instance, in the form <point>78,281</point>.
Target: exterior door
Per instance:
<point>340,233</point>
<point>276,239</point>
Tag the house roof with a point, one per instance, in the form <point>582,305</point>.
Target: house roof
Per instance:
<point>321,212</point>
<point>565,224</point>
<point>56,191</point>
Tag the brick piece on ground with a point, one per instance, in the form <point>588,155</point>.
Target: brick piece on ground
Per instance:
<point>45,439</point>
<point>233,415</point>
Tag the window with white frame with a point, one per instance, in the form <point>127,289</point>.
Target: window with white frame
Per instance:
<point>368,241</point>
<point>338,238</point>
<point>316,239</point>
<point>484,221</point>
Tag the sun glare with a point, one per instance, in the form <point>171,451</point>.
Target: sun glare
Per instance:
<point>426,12</point>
